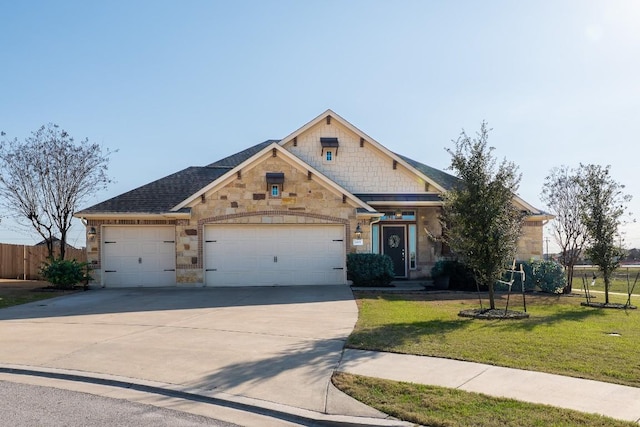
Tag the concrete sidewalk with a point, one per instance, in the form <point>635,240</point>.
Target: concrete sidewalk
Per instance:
<point>615,401</point>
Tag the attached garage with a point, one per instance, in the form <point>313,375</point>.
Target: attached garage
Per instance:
<point>268,255</point>
<point>138,256</point>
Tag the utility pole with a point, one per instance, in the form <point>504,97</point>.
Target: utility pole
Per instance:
<point>546,240</point>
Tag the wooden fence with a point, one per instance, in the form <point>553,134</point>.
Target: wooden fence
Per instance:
<point>24,262</point>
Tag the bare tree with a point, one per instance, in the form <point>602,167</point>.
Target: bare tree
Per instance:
<point>45,178</point>
<point>481,224</point>
<point>561,193</point>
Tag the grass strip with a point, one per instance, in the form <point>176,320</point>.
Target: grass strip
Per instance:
<point>443,407</point>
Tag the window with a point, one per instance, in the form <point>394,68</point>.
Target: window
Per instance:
<point>375,239</point>
<point>412,246</point>
<point>329,148</point>
<point>399,216</point>
<point>275,182</point>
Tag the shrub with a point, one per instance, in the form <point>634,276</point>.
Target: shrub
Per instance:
<point>460,276</point>
<point>529,282</point>
<point>64,273</point>
<point>370,269</point>
<point>548,276</point>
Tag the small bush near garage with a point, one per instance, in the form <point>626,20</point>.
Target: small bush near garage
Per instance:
<point>369,269</point>
<point>64,273</point>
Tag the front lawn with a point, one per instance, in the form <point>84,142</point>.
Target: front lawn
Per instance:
<point>560,337</point>
<point>622,279</point>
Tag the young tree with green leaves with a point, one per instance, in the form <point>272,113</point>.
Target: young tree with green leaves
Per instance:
<point>45,178</point>
<point>604,206</point>
<point>480,222</point>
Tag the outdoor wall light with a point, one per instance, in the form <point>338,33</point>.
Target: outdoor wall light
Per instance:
<point>92,233</point>
<point>358,233</point>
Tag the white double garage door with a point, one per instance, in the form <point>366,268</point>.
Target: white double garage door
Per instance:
<point>234,255</point>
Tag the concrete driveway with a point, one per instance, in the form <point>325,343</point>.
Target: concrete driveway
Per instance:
<point>277,344</point>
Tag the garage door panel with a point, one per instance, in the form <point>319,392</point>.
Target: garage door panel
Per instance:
<point>265,255</point>
<point>139,256</point>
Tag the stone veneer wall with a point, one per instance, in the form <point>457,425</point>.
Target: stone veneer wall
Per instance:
<point>530,243</point>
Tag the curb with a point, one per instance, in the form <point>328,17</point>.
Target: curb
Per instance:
<point>263,408</point>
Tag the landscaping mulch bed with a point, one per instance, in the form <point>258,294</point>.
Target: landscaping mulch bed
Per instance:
<point>609,305</point>
<point>490,314</point>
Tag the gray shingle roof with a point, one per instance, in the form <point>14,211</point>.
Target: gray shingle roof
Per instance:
<point>444,179</point>
<point>162,195</point>
<point>235,159</point>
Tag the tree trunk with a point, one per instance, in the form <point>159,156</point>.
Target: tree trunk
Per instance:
<point>492,302</point>
<point>63,244</point>
<point>606,287</point>
<point>569,286</point>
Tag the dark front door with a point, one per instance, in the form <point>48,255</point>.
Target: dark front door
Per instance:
<point>393,244</point>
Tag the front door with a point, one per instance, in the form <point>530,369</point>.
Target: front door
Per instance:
<point>393,244</point>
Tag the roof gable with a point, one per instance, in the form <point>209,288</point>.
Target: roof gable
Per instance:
<point>260,155</point>
<point>329,117</point>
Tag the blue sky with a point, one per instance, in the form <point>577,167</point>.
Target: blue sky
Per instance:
<point>172,84</point>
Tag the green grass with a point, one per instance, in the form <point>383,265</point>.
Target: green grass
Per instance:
<point>619,282</point>
<point>10,300</point>
<point>18,292</point>
<point>437,406</point>
<point>560,337</point>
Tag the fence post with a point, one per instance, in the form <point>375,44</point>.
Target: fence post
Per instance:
<point>24,262</point>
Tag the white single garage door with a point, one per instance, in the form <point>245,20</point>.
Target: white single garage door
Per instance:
<point>267,255</point>
<point>138,256</point>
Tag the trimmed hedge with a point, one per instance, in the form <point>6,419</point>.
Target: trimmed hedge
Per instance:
<point>370,269</point>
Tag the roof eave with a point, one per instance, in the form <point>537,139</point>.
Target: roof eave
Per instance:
<point>406,203</point>
<point>133,215</point>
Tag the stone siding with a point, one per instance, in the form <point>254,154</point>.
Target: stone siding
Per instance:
<point>530,243</point>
